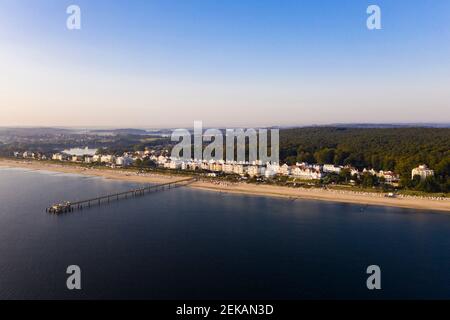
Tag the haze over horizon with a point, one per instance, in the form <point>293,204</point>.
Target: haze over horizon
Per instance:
<point>145,64</point>
<point>206,126</point>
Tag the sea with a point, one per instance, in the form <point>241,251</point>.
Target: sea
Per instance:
<point>192,244</point>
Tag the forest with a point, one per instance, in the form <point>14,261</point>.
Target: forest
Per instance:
<point>396,149</point>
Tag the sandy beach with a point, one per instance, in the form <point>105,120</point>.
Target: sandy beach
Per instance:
<point>116,174</point>
<point>363,198</point>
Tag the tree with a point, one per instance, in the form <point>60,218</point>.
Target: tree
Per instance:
<point>345,175</point>
<point>340,156</point>
<point>369,180</point>
<point>325,155</point>
<point>429,185</point>
<point>304,156</point>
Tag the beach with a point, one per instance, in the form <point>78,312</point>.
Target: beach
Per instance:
<point>362,198</point>
<point>107,173</point>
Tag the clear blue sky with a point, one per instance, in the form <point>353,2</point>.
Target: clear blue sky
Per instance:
<point>226,62</point>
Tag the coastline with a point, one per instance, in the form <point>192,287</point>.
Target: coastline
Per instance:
<point>362,198</point>
<point>115,174</point>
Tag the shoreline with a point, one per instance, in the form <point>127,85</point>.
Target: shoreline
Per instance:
<point>362,198</point>
<point>114,174</point>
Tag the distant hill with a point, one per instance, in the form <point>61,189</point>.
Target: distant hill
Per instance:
<point>121,131</point>
<point>32,131</point>
<point>390,125</point>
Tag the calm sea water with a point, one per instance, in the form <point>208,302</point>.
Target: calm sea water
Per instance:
<point>191,244</point>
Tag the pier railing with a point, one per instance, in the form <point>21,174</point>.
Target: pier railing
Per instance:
<point>79,205</point>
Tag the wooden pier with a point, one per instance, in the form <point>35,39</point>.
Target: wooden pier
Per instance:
<point>79,205</point>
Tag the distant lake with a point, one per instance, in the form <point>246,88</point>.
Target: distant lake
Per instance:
<point>193,244</point>
<point>80,151</point>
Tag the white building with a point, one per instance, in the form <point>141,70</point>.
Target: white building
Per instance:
<point>204,165</point>
<point>58,157</point>
<point>423,171</point>
<point>285,170</point>
<point>273,168</point>
<point>124,161</point>
<point>227,168</point>
<point>76,158</point>
<point>175,165</point>
<point>211,165</point>
<point>371,171</point>
<point>306,174</point>
<point>88,159</point>
<point>217,167</point>
<point>331,168</point>
<point>238,169</point>
<point>270,172</point>
<point>389,176</point>
<point>354,171</point>
<point>254,171</point>
<point>162,159</point>
<point>192,165</point>
<point>107,158</point>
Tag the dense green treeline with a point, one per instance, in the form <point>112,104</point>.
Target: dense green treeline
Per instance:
<point>397,149</point>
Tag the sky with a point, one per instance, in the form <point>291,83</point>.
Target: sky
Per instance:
<point>152,63</point>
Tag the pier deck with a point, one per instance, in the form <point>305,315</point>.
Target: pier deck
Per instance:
<point>71,206</point>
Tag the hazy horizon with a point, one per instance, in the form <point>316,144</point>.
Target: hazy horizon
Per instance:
<point>190,126</point>
<point>163,64</point>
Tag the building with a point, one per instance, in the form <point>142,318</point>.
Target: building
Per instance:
<point>211,165</point>
<point>389,176</point>
<point>371,171</point>
<point>162,159</point>
<point>107,158</point>
<point>58,157</point>
<point>217,167</point>
<point>275,168</point>
<point>76,158</point>
<point>331,168</point>
<point>192,165</point>
<point>204,165</point>
<point>238,169</point>
<point>254,171</point>
<point>227,168</point>
<point>284,170</point>
<point>175,165</point>
<point>88,159</point>
<point>124,161</point>
<point>270,172</point>
<point>306,173</point>
<point>352,171</point>
<point>422,171</point>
